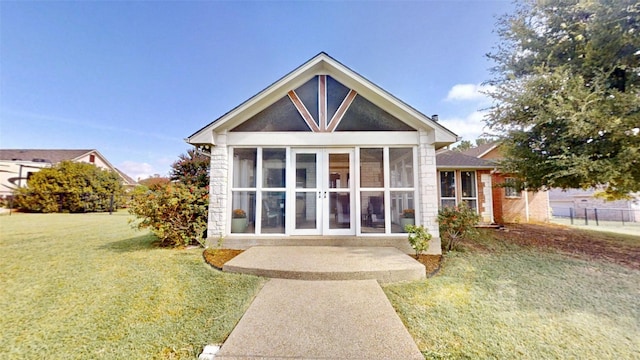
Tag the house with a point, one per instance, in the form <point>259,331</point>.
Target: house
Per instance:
<point>581,203</point>
<point>473,177</point>
<point>17,165</point>
<point>322,156</point>
<point>468,179</point>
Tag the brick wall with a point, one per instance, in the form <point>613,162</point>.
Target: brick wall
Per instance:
<point>513,210</point>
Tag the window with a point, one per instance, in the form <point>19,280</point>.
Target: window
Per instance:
<point>258,189</point>
<point>511,188</point>
<point>243,192</point>
<point>469,189</point>
<point>447,189</point>
<point>92,158</point>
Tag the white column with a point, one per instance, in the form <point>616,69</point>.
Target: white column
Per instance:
<point>428,182</point>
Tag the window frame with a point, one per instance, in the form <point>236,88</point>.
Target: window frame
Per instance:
<point>511,185</point>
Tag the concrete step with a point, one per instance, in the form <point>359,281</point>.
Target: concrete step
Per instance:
<point>384,264</point>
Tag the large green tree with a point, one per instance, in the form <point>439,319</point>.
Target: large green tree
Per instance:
<point>567,94</point>
<point>70,187</point>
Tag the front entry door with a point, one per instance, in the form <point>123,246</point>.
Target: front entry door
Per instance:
<point>324,200</point>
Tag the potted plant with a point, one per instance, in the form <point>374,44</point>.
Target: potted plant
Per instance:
<point>408,218</point>
<point>238,221</point>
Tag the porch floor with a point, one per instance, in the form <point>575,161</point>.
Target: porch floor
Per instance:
<point>384,264</point>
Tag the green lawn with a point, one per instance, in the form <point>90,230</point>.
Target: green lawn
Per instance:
<point>509,302</point>
<point>87,286</point>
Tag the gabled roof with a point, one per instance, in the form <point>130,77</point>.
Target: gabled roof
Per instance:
<point>322,64</point>
<point>454,159</point>
<point>481,150</point>
<point>53,156</point>
<point>128,180</point>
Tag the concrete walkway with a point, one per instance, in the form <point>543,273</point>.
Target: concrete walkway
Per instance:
<point>296,319</point>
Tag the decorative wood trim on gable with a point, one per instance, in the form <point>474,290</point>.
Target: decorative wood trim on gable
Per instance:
<point>303,111</point>
<point>322,102</point>
<point>342,109</point>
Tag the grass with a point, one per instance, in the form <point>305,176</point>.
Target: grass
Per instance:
<point>503,301</point>
<point>79,286</point>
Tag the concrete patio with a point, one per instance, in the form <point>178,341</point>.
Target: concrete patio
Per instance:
<point>384,264</point>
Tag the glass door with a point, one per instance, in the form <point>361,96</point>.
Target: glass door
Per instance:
<point>308,193</point>
<point>338,195</point>
<point>323,192</point>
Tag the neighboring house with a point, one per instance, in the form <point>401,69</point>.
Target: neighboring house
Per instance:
<point>578,202</point>
<point>322,157</point>
<point>17,165</point>
<point>467,179</point>
<point>472,176</point>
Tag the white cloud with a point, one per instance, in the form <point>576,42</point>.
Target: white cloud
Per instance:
<point>469,127</point>
<point>137,170</point>
<point>466,92</point>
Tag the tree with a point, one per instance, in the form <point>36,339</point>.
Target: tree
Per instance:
<point>70,187</point>
<point>566,91</point>
<point>464,145</point>
<point>191,168</point>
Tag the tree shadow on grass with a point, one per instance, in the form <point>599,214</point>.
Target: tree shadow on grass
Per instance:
<point>138,243</point>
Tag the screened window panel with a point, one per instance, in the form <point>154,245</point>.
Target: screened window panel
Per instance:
<point>371,168</point>
<point>273,168</point>
<point>363,115</point>
<point>306,171</point>
<point>308,94</point>
<point>336,92</point>
<point>243,201</point>
<point>401,166</point>
<point>280,116</point>
<point>244,168</point>
<point>373,211</point>
<point>273,212</point>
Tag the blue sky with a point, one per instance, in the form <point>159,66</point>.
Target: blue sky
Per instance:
<point>133,79</point>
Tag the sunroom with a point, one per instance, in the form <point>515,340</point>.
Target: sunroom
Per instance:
<point>325,157</point>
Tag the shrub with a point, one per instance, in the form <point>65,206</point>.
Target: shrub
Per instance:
<point>175,213</point>
<point>419,238</point>
<point>70,187</point>
<point>456,223</point>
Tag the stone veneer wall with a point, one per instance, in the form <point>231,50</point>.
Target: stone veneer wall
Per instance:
<point>218,189</point>
<point>428,191</point>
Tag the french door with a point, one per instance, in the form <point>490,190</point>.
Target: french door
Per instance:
<point>324,197</point>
